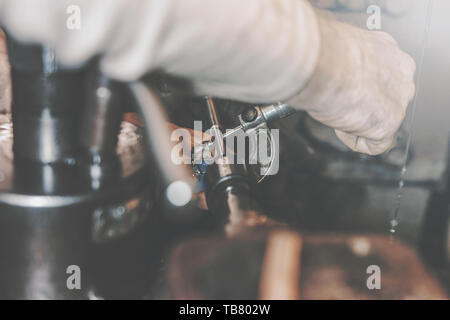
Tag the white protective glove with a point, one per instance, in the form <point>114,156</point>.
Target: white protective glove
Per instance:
<point>361,87</point>
<point>360,82</point>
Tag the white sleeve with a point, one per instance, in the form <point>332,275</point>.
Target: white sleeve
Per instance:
<point>249,50</point>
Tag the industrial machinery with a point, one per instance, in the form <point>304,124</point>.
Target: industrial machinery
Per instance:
<point>78,189</point>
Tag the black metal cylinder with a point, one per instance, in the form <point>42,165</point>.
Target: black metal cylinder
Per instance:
<point>220,188</point>
<point>51,214</point>
<point>38,245</point>
<point>46,102</point>
<point>105,101</point>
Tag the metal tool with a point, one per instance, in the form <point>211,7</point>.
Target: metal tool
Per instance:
<point>251,120</point>
<point>260,117</point>
<point>228,184</point>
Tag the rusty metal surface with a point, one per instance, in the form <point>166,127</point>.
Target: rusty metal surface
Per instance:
<point>335,267</point>
<point>129,149</point>
<point>332,267</point>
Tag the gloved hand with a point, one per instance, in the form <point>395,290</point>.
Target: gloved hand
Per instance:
<point>361,87</point>
<point>263,51</point>
<point>5,82</point>
<point>255,51</point>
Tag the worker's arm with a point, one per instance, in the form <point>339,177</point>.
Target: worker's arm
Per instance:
<point>356,81</point>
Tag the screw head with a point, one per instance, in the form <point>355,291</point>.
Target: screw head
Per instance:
<point>250,115</point>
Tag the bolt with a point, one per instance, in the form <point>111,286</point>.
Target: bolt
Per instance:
<point>250,115</point>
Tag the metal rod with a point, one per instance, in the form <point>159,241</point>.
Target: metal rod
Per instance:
<point>177,177</point>
<point>212,112</point>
